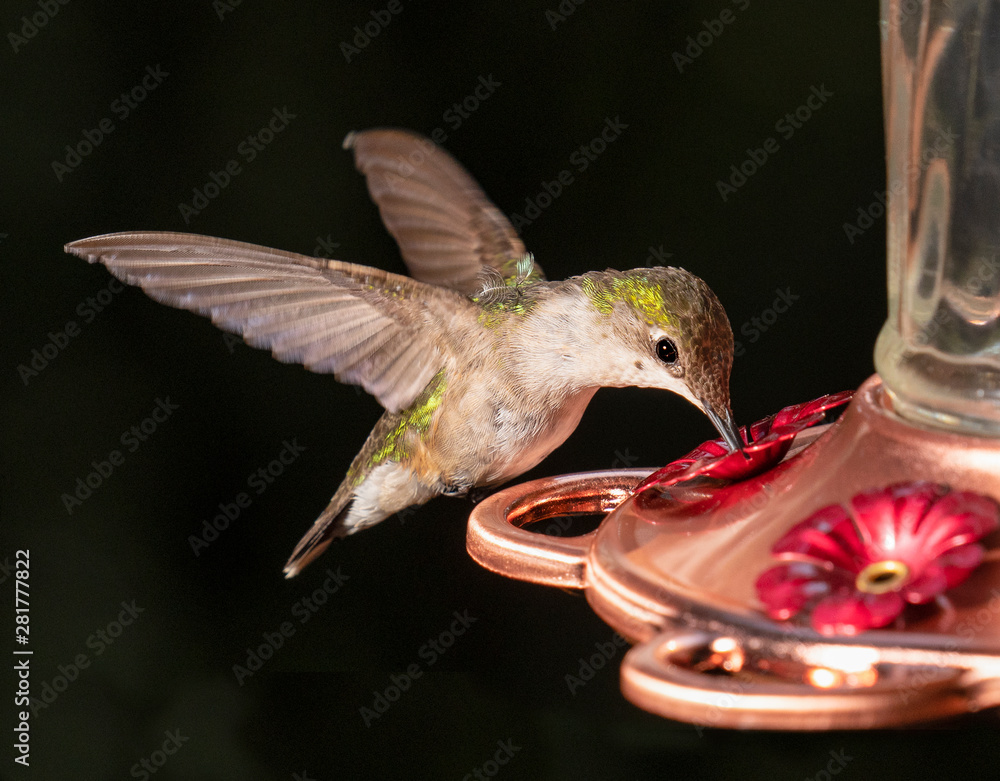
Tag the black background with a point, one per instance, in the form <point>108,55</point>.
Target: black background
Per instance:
<point>653,187</point>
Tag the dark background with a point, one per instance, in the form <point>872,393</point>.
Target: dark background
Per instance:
<point>653,187</point>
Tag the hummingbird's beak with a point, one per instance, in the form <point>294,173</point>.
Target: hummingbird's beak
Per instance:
<point>727,427</point>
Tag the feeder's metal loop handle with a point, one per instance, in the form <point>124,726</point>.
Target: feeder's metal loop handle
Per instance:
<point>658,677</point>
<point>496,539</point>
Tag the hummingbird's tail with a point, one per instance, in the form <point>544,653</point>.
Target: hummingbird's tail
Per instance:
<point>327,528</point>
<point>359,503</point>
<point>375,487</point>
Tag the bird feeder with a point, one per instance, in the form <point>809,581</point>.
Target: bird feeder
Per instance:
<point>846,572</point>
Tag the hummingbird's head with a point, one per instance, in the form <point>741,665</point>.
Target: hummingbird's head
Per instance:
<point>676,337</point>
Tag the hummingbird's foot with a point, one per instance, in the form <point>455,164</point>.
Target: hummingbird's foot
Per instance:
<point>455,489</point>
<point>477,494</point>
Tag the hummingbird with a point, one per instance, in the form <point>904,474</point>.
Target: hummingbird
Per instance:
<point>483,366</point>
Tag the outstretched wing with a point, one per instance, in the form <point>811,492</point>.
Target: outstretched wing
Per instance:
<point>446,227</point>
<point>364,325</point>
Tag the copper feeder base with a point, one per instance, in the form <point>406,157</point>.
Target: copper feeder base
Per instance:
<point>682,586</point>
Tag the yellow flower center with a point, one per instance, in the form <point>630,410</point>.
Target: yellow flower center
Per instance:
<point>881,577</point>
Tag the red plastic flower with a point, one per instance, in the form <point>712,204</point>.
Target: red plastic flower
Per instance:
<point>767,444</point>
<point>856,566</point>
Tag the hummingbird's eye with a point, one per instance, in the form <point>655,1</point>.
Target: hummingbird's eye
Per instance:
<point>666,351</point>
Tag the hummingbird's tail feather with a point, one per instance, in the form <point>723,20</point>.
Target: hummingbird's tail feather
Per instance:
<point>327,528</point>
<point>367,496</point>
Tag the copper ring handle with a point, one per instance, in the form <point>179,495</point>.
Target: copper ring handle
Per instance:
<point>654,678</point>
<point>496,540</point>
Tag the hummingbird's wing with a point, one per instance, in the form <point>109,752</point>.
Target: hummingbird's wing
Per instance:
<point>446,227</point>
<point>366,326</point>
